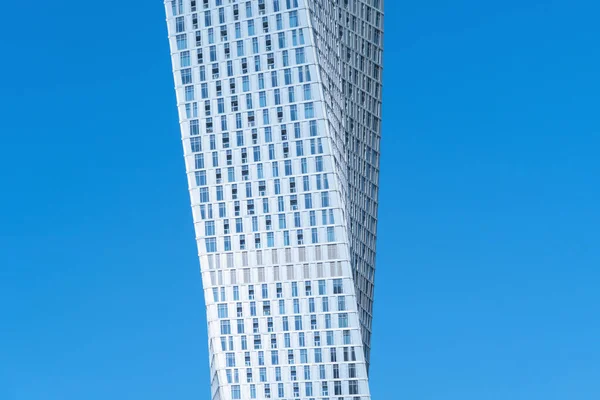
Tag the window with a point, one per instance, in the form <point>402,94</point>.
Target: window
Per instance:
<point>281,305</point>
<point>325,199</point>
<point>308,388</point>
<point>343,320</point>
<point>338,286</point>
<point>239,138</point>
<point>314,235</point>
<point>235,392</point>
<point>189,93</point>
<point>319,163</point>
<point>322,287</point>
<point>204,198</point>
<point>313,218</point>
<point>209,228</point>
<point>330,234</point>
<point>256,153</point>
<point>270,239</point>
<point>194,131</point>
<point>184,60</point>
<point>300,59</point>
<point>287,74</point>
<point>293,19</point>
<point>309,111</point>
<point>337,385</point>
<point>286,326</point>
<point>325,304</point>
<point>222,310</point>
<point>307,92</point>
<point>181,42</point>
<point>286,238</point>
<point>195,142</point>
<point>353,387</point>
<point>308,201</point>
<point>226,329</point>
<point>179,24</point>
<point>352,371</point>
<point>299,148</point>
<point>296,220</point>
<point>262,99</point>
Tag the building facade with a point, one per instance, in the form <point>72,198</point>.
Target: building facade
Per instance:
<point>280,111</point>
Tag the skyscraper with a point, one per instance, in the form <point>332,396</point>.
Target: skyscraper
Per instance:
<point>280,111</point>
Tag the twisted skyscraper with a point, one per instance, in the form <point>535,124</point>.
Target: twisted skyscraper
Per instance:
<point>280,110</point>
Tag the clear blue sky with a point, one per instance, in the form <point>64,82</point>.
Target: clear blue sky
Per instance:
<point>488,269</point>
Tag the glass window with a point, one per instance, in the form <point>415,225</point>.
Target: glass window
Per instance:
<point>179,24</point>
<point>236,392</point>
<point>181,42</point>
<point>293,17</point>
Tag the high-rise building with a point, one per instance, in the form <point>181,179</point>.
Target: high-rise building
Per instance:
<point>280,111</point>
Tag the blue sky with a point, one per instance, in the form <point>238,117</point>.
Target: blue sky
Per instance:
<point>487,282</point>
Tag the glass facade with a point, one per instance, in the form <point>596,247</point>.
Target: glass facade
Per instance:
<point>280,108</point>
